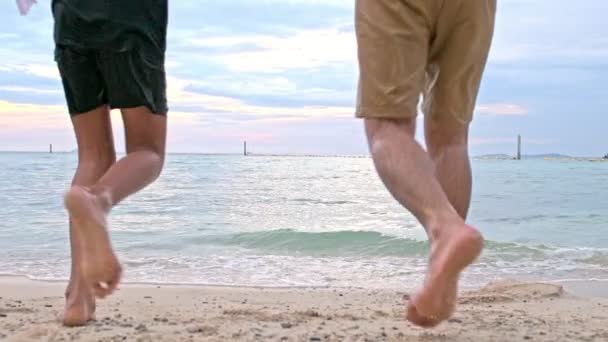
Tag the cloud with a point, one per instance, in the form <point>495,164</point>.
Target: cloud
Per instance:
<point>49,71</point>
<point>275,91</point>
<point>568,34</point>
<point>501,109</point>
<point>31,90</point>
<point>15,116</point>
<point>282,69</point>
<point>304,49</point>
<point>181,95</point>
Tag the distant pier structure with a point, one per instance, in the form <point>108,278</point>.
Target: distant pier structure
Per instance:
<point>518,147</point>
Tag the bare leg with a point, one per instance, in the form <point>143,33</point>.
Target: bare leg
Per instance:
<point>408,173</point>
<point>95,156</point>
<point>89,206</point>
<point>447,144</point>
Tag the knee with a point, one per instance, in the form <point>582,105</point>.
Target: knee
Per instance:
<point>444,134</point>
<point>99,161</point>
<point>93,167</point>
<point>159,161</point>
<point>153,156</point>
<point>380,132</point>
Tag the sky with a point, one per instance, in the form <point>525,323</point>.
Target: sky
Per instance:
<point>282,74</point>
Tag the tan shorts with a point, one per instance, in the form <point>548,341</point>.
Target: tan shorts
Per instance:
<point>437,48</point>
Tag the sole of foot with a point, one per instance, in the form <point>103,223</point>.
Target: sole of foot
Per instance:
<point>100,267</point>
<point>436,301</point>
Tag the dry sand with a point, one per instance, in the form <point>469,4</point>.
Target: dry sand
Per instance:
<point>499,312</point>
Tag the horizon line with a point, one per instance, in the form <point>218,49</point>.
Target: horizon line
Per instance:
<point>253,154</point>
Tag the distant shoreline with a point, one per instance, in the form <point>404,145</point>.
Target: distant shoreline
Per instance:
<point>548,156</point>
<point>540,157</point>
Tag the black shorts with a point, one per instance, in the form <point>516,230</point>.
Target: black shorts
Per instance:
<point>126,79</point>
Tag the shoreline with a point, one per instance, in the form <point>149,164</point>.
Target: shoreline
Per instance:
<point>505,311</point>
<point>585,288</point>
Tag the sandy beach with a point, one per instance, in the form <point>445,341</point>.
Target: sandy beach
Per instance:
<point>505,311</point>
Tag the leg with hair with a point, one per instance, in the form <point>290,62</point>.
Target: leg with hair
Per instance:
<point>408,173</point>
<point>95,156</point>
<point>145,137</point>
<point>447,145</point>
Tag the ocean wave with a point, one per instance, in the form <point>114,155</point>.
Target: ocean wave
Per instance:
<point>342,258</point>
<point>350,243</point>
<point>339,243</point>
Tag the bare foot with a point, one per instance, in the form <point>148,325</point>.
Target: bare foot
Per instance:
<point>79,306</point>
<point>450,255</point>
<point>100,267</point>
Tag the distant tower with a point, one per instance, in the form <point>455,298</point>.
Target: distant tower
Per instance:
<point>245,148</point>
<point>519,147</point>
<point>51,148</point>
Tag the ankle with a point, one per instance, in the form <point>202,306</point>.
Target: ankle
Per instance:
<point>103,197</point>
<point>76,287</point>
<point>444,226</point>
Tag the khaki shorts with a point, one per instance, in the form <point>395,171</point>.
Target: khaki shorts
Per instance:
<point>437,48</point>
